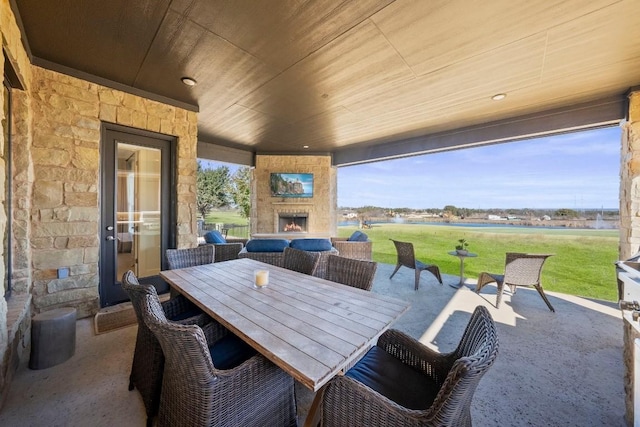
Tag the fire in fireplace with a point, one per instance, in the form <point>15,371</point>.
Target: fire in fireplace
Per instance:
<point>292,223</point>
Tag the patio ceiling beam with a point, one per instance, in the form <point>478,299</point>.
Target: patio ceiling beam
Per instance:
<point>221,153</point>
<point>598,113</point>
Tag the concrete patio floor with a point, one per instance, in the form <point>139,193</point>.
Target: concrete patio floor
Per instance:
<point>553,369</point>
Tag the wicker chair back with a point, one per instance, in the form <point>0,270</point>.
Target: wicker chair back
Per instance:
<point>353,272</point>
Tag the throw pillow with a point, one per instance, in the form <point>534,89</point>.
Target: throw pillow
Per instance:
<point>358,236</point>
<point>214,237</point>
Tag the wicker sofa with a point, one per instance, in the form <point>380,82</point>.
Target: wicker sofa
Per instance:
<point>357,246</point>
<point>258,249</point>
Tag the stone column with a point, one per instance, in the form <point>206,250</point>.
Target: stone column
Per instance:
<point>630,180</point>
<point>630,225</point>
<point>23,177</point>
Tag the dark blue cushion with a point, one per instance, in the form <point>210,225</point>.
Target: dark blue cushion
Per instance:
<point>267,245</point>
<point>393,379</point>
<point>230,351</point>
<point>358,236</point>
<point>214,236</point>
<point>315,245</point>
<point>193,311</point>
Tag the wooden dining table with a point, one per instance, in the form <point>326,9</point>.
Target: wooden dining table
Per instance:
<point>310,327</point>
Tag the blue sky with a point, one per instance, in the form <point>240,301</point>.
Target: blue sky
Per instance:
<point>577,171</point>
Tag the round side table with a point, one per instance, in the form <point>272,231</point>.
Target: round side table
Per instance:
<point>462,257</point>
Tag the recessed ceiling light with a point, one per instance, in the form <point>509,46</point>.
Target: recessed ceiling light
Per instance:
<point>189,81</point>
<point>499,96</point>
<point>305,146</point>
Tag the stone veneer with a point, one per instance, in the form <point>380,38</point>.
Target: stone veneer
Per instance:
<point>321,207</point>
<point>15,314</point>
<point>630,225</point>
<point>67,117</point>
<point>57,121</point>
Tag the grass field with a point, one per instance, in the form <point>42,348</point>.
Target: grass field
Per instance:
<point>583,263</point>
<point>226,217</point>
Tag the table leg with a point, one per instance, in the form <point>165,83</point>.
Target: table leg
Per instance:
<point>315,411</point>
<point>461,283</point>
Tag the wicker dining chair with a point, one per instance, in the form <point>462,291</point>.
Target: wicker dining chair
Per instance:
<point>305,262</point>
<point>407,258</point>
<point>401,382</point>
<point>199,390</point>
<point>352,272</point>
<point>148,360</point>
<point>520,269</point>
<point>190,257</point>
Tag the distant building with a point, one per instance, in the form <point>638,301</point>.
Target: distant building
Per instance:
<point>546,218</point>
<point>494,217</point>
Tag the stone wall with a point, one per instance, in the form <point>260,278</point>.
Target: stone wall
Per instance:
<point>15,313</point>
<point>67,117</point>
<point>321,207</point>
<point>630,225</point>
<point>630,181</point>
<point>55,215</point>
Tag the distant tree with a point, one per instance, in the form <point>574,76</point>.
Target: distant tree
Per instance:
<point>370,211</point>
<point>212,186</point>
<point>450,210</point>
<point>566,213</point>
<point>241,190</point>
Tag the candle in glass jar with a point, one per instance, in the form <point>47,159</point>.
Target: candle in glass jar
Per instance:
<point>261,278</point>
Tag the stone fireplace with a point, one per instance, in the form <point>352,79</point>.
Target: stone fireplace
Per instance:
<point>291,217</point>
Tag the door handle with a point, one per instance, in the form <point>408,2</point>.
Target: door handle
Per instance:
<point>111,238</point>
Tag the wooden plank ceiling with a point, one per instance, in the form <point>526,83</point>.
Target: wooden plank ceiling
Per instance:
<point>274,76</point>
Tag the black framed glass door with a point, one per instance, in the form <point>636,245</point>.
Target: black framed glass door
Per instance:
<point>136,209</point>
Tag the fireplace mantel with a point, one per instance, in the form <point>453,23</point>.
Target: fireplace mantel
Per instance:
<point>290,236</point>
<point>293,203</point>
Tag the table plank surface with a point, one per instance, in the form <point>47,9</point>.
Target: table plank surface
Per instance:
<point>310,327</point>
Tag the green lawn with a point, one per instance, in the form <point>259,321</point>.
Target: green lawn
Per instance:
<point>583,264</point>
<point>225,217</point>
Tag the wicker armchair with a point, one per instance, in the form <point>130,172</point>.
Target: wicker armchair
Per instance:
<point>407,258</point>
<point>354,250</point>
<point>190,257</point>
<point>352,272</point>
<point>401,382</point>
<point>520,270</point>
<point>227,251</point>
<point>197,391</point>
<point>148,360</point>
<point>230,250</point>
<point>300,261</point>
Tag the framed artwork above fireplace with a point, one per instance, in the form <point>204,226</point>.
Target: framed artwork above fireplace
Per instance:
<point>291,185</point>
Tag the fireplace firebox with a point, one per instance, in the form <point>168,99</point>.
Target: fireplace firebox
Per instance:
<point>292,222</point>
